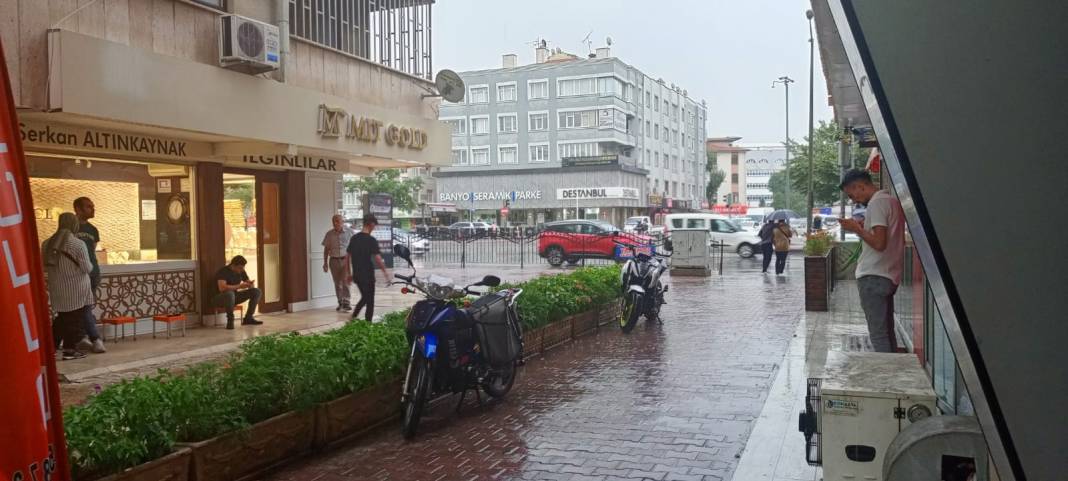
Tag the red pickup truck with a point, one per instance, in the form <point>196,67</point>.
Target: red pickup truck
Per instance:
<point>572,240</point>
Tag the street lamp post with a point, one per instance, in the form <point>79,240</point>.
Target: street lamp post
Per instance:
<point>811,89</point>
<point>786,81</point>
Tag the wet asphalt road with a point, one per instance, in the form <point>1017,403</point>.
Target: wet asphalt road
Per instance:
<point>668,402</point>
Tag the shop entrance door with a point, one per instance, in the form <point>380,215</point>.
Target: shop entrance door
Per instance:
<point>252,207</point>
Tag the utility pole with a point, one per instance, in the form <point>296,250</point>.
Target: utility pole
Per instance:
<point>811,89</point>
<point>786,81</point>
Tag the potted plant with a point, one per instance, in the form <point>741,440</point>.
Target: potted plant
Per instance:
<point>818,271</point>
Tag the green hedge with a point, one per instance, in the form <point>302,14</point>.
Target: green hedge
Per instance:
<point>139,420</point>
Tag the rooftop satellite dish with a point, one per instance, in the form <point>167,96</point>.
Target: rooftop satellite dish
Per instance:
<point>450,86</point>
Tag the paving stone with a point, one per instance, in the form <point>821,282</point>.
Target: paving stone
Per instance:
<point>674,401</point>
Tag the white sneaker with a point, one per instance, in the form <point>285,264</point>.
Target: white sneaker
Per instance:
<point>98,346</point>
<point>84,345</point>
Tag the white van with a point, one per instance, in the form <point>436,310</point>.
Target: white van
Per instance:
<point>745,243</point>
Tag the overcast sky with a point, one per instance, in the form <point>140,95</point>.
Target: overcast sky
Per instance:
<point>724,51</point>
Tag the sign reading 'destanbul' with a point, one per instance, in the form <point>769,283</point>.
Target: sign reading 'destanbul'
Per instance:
<point>503,195</point>
<point>334,122</point>
<point>585,193</point>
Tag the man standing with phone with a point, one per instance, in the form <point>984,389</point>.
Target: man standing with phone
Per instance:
<point>882,254</point>
<point>235,288</point>
<point>363,248</point>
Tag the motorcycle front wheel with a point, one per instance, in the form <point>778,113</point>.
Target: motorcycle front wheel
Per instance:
<point>418,391</point>
<point>500,382</point>
<point>630,312</point>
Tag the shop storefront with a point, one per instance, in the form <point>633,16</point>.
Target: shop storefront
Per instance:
<point>179,190</point>
<point>533,197</point>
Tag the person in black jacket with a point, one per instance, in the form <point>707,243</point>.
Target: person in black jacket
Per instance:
<point>766,248</point>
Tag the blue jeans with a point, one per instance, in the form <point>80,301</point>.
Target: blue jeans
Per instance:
<point>89,324</point>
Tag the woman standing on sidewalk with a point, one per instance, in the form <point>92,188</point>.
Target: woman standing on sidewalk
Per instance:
<point>782,234</point>
<point>766,237</point>
<point>70,292</point>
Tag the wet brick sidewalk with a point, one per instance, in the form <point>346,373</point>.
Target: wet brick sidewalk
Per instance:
<point>669,402</point>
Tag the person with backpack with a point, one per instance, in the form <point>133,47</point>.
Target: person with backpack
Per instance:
<point>70,293</point>
<point>782,233</point>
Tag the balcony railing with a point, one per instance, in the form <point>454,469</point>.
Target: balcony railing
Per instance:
<point>394,33</point>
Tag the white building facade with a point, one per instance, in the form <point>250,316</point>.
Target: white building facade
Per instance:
<point>762,160</point>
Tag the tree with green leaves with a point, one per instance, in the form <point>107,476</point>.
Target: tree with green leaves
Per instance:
<point>715,178</point>
<point>389,181</point>
<point>826,171</point>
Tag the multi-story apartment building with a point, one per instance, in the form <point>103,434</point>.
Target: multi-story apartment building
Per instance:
<point>731,159</point>
<point>762,160</point>
<point>190,163</point>
<point>571,137</point>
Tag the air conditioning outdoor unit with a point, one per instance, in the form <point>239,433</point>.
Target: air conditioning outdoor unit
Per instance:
<point>858,407</point>
<point>247,45</point>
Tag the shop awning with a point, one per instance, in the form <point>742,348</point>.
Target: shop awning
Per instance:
<point>229,116</point>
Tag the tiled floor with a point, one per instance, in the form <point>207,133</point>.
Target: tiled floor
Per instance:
<point>776,450</point>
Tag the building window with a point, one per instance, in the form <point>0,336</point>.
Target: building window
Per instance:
<point>480,156</point>
<point>538,89</point>
<point>457,126</point>
<point>135,202</point>
<point>656,159</point>
<point>734,178</point>
<point>656,131</point>
<point>479,125</point>
<point>507,154</point>
<point>665,107</point>
<point>507,123</point>
<point>506,92</point>
<point>539,152</point>
<point>656,103</point>
<point>573,87</point>
<point>368,29</point>
<point>459,156</point>
<point>582,119</point>
<point>734,158</point>
<point>666,134</point>
<point>583,149</point>
<point>648,157</point>
<point>219,4</point>
<point>479,95</point>
<point>538,122</point>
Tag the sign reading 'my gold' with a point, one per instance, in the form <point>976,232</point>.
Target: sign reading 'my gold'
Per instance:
<point>336,123</point>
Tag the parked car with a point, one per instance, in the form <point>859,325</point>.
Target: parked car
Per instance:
<point>485,227</point>
<point>463,228</point>
<point>744,242</point>
<point>632,223</point>
<point>573,240</point>
<point>416,243</point>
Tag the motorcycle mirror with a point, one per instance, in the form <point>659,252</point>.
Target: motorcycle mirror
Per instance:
<point>491,281</point>
<point>668,244</point>
<point>403,252</point>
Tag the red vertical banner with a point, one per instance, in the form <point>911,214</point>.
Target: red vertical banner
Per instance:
<point>32,445</point>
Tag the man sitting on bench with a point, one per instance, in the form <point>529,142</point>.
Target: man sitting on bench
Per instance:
<point>235,288</point>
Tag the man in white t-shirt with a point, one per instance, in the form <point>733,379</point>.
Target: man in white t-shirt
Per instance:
<point>882,254</point>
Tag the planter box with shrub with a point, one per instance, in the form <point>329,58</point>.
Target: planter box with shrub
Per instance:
<point>244,453</point>
<point>172,467</point>
<point>818,271</point>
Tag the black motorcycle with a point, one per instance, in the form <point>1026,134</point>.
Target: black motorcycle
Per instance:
<point>455,349</point>
<point>643,292</point>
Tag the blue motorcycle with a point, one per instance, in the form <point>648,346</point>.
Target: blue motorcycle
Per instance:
<point>456,347</point>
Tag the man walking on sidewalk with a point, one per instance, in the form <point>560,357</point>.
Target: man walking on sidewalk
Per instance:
<point>335,242</point>
<point>882,255</point>
<point>362,249</point>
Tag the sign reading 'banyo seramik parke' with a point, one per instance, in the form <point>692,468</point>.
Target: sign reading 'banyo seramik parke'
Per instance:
<point>513,195</point>
<point>335,122</point>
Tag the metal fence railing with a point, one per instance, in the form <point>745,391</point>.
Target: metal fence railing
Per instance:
<point>517,247</point>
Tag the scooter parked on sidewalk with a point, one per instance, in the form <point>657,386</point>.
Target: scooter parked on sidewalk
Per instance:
<point>643,291</point>
<point>455,349</point>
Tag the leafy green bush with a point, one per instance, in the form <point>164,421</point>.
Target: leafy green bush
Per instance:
<point>818,243</point>
<point>136,421</point>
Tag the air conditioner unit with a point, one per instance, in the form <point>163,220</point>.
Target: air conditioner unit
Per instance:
<point>858,407</point>
<point>247,45</point>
